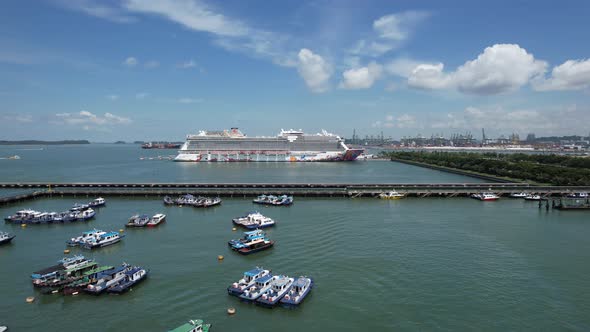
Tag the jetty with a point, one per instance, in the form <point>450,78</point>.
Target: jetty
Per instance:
<point>45,189</point>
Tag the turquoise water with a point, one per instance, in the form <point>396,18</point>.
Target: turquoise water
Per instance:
<point>121,163</point>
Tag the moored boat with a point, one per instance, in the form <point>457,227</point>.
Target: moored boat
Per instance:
<point>102,240</point>
<point>578,195</point>
<point>156,220</point>
<point>107,278</point>
<point>207,202</point>
<point>132,277</point>
<point>237,288</point>
<point>299,290</point>
<point>196,325</point>
<point>247,239</point>
<point>273,200</point>
<point>533,198</point>
<point>6,237</point>
<point>486,196</point>
<point>261,285</point>
<point>257,246</point>
<point>168,200</point>
<point>519,195</point>
<point>138,221</point>
<point>85,214</point>
<point>254,220</point>
<point>79,240</point>
<point>278,289</point>
<point>98,202</point>
<point>391,195</point>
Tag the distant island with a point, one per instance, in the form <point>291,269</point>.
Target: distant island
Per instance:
<point>36,142</point>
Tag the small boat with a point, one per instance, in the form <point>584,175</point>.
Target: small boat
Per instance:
<point>6,237</point>
<point>533,198</point>
<point>273,200</point>
<point>254,220</point>
<point>257,246</point>
<point>21,216</point>
<point>85,214</point>
<point>132,277</point>
<point>98,202</point>
<point>196,325</point>
<point>278,289</point>
<point>237,288</point>
<point>79,207</point>
<point>519,195</point>
<point>207,202</point>
<point>486,196</point>
<point>138,221</point>
<point>261,285</point>
<point>299,290</point>
<point>53,272</point>
<point>107,278</point>
<point>392,195</point>
<point>168,200</point>
<point>578,195</point>
<point>76,241</point>
<point>156,220</point>
<point>3,328</point>
<point>102,240</point>
<point>247,239</point>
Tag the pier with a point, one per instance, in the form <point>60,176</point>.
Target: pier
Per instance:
<point>353,190</point>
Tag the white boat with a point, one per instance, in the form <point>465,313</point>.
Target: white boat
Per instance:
<point>277,290</point>
<point>519,195</point>
<point>254,220</point>
<point>578,195</point>
<point>261,285</point>
<point>97,202</point>
<point>5,237</point>
<point>156,219</point>
<point>392,195</point>
<point>80,240</point>
<point>533,198</point>
<point>486,196</point>
<point>102,240</point>
<point>237,288</point>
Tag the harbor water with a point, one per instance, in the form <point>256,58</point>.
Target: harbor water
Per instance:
<point>415,264</point>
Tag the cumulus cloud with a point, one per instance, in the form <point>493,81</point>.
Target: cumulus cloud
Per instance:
<point>130,62</point>
<point>315,70</point>
<point>361,78</point>
<point>390,31</point>
<point>500,68</point>
<point>85,118</point>
<point>570,75</point>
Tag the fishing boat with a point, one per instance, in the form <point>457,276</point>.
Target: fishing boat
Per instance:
<point>102,240</point>
<point>273,200</point>
<point>237,288</point>
<point>97,202</point>
<point>132,277</point>
<point>138,221</point>
<point>261,285</point>
<point>278,289</point>
<point>196,325</point>
<point>392,195</point>
<point>299,290</point>
<point>156,220</point>
<point>107,278</point>
<point>6,237</point>
<point>533,198</point>
<point>254,220</point>
<point>486,196</point>
<point>76,241</point>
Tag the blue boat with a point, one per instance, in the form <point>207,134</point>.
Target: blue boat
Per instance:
<point>260,286</point>
<point>107,279</point>
<point>248,238</point>
<point>299,290</point>
<point>132,277</point>
<point>80,240</point>
<point>250,277</point>
<point>278,288</point>
<point>102,240</point>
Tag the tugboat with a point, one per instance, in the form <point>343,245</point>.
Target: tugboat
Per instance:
<point>79,240</point>
<point>237,288</point>
<point>6,237</point>
<point>299,290</point>
<point>156,220</point>
<point>196,325</point>
<point>102,240</point>
<point>278,289</point>
<point>132,277</point>
<point>254,220</point>
<point>138,221</point>
<point>392,195</point>
<point>98,202</point>
<point>260,286</point>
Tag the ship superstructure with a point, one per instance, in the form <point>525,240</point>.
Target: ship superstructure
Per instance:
<point>288,145</point>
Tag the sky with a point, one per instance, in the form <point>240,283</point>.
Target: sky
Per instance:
<point>158,70</point>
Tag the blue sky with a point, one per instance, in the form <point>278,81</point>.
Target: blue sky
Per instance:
<point>143,70</point>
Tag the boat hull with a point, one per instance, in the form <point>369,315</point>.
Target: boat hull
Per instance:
<point>103,244</point>
<point>7,240</point>
<point>248,251</point>
<point>291,302</point>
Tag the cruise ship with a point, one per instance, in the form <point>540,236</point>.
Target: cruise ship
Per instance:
<point>289,145</point>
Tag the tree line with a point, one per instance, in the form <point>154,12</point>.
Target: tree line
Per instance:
<point>551,169</point>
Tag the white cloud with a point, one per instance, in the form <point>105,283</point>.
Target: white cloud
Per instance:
<point>141,95</point>
<point>500,68</point>
<point>402,67</point>
<point>315,70</point>
<point>570,75</point>
<point>97,9</point>
<point>152,64</point>
<point>188,64</point>
<point>112,97</point>
<point>130,62</point>
<point>88,119</point>
<point>403,121</point>
<point>188,100</point>
<point>361,78</point>
<point>21,118</point>
<point>391,31</point>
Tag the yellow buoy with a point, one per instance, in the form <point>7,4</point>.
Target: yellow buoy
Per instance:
<point>231,311</point>
<point>30,299</point>
<point>220,257</point>
<point>121,230</point>
<point>75,293</point>
<point>67,251</point>
<point>23,225</point>
<point>234,229</point>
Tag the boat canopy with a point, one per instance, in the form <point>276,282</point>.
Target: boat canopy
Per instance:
<point>264,279</point>
<point>300,282</point>
<point>253,272</point>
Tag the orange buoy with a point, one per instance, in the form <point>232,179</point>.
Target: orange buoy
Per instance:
<point>231,310</point>
<point>30,299</point>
